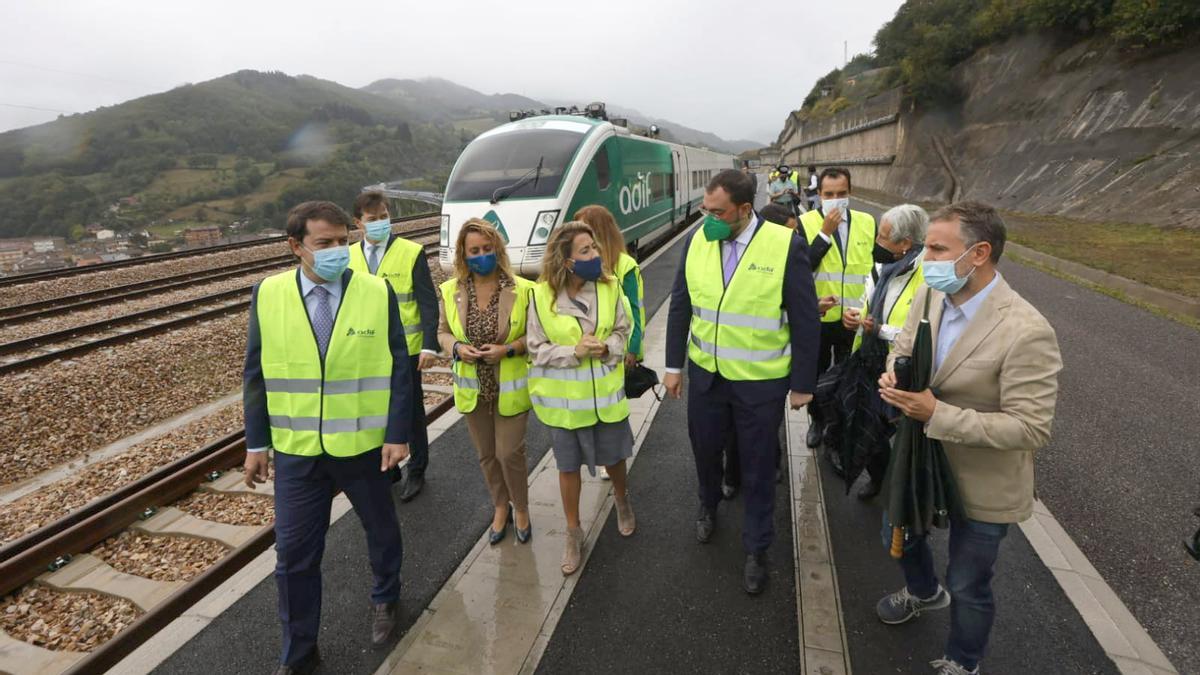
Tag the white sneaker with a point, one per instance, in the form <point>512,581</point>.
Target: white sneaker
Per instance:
<point>945,666</point>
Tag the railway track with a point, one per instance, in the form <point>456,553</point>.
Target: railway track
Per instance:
<point>45,556</point>
<point>26,353</point>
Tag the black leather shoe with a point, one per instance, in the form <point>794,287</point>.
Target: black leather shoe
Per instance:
<point>413,482</point>
<point>383,621</point>
<point>304,666</point>
<point>706,522</point>
<point>870,490</point>
<point>754,577</point>
<point>815,432</point>
<point>728,491</point>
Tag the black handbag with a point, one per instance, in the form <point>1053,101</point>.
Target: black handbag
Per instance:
<point>638,380</point>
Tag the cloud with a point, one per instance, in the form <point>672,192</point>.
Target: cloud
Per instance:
<point>735,69</point>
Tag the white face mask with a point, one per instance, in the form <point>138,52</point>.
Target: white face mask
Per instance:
<point>842,204</point>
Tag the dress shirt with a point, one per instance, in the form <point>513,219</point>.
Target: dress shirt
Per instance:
<point>955,320</point>
<point>310,305</point>
<point>369,247</point>
<point>310,300</point>
<point>843,231</point>
<point>743,240</point>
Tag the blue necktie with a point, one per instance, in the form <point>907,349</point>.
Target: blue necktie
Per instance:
<point>322,319</point>
<point>373,262</point>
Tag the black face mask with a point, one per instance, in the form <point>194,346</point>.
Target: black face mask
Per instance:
<point>882,255</point>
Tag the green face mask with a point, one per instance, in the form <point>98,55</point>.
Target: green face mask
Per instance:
<point>716,229</point>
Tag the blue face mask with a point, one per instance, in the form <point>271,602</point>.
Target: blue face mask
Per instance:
<point>588,270</point>
<point>378,230</point>
<point>482,264</point>
<point>329,263</point>
<point>940,275</point>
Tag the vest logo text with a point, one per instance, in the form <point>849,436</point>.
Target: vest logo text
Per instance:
<point>761,269</point>
<point>364,332</point>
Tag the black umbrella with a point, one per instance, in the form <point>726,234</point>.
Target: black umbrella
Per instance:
<point>922,493</point>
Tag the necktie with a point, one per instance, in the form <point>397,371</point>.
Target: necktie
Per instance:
<point>322,319</point>
<point>731,261</point>
<point>373,261</point>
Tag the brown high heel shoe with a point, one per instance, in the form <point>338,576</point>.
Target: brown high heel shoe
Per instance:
<point>573,553</point>
<point>626,523</point>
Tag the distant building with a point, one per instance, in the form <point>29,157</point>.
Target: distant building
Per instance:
<point>88,259</point>
<point>48,244</point>
<point>103,234</point>
<point>203,235</point>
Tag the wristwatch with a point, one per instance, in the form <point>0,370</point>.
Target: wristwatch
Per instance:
<point>510,352</point>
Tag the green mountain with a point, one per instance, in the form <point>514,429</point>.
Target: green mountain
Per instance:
<point>245,146</point>
<point>437,98</point>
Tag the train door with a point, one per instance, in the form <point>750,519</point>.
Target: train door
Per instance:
<point>681,193</point>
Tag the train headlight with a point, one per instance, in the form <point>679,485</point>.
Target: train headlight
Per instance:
<point>542,226</point>
<point>444,232</point>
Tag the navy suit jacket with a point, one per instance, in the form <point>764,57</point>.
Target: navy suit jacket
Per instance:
<point>254,388</point>
<point>426,295</point>
<point>799,299</point>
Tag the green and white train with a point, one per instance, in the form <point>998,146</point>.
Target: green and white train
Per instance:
<point>530,175</point>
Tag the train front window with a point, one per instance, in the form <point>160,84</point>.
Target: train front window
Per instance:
<point>497,162</point>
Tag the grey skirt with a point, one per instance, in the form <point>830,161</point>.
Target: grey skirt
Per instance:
<point>604,444</point>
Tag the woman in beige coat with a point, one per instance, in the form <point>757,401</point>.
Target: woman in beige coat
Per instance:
<point>482,326</point>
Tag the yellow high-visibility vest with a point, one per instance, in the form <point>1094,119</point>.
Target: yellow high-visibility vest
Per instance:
<point>592,392</point>
<point>514,370</point>
<point>627,265</point>
<point>336,405</point>
<point>843,274</point>
<point>898,314</point>
<point>396,267</point>
<point>741,330</point>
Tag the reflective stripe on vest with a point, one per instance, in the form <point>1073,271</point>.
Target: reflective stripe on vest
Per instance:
<point>740,331</point>
<point>592,392</point>
<point>338,406</point>
<point>625,265</point>
<point>898,314</point>
<point>397,268</point>
<point>513,383</point>
<point>846,280</point>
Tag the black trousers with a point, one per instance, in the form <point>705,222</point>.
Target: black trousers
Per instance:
<point>418,436</point>
<point>716,414</point>
<point>304,490</point>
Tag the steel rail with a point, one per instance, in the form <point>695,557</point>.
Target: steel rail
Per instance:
<point>159,257</point>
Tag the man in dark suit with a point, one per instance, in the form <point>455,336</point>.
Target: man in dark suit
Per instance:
<point>402,263</point>
<point>326,384</point>
<point>744,291</point>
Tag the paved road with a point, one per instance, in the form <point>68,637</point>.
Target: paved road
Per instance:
<point>1122,472</point>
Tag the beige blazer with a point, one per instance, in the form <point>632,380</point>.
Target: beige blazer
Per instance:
<point>996,393</point>
<point>508,298</point>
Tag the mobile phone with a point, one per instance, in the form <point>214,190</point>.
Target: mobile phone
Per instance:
<point>903,371</point>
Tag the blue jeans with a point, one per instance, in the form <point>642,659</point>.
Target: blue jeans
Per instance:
<point>974,546</point>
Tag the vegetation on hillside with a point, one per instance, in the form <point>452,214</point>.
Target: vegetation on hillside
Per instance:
<point>927,38</point>
<point>247,146</point>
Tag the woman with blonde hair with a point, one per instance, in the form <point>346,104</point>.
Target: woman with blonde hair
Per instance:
<point>578,327</point>
<point>620,264</point>
<point>482,325</point>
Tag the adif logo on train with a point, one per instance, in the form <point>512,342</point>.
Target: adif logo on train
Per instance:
<point>634,197</point>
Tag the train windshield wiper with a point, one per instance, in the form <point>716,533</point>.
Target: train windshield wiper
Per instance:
<point>533,174</point>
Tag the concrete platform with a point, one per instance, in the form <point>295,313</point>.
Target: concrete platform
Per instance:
<point>658,601</point>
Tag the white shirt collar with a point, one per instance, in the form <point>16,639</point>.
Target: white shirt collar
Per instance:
<point>970,307</point>
<point>306,286</point>
<point>743,239</point>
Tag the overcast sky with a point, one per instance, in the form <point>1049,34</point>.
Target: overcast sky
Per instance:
<point>731,67</point>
